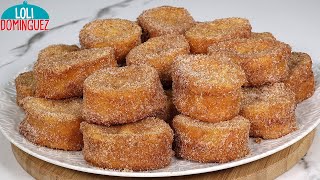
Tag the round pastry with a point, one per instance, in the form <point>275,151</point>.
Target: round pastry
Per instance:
<point>122,95</point>
<point>120,34</point>
<point>62,76</point>
<point>207,88</point>
<point>143,145</point>
<point>270,110</point>
<point>25,86</point>
<point>165,20</point>
<point>202,35</point>
<point>53,123</point>
<point>264,60</point>
<point>56,50</point>
<point>211,142</point>
<point>301,78</point>
<point>159,52</point>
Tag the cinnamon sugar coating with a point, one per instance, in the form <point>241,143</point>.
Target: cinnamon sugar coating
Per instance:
<point>270,110</point>
<point>159,52</point>
<point>211,142</point>
<point>56,50</point>
<point>264,59</point>
<point>53,123</point>
<point>207,88</point>
<point>209,108</point>
<point>165,20</point>
<point>202,35</point>
<point>207,74</point>
<point>301,79</point>
<point>262,35</point>
<point>122,95</point>
<point>62,76</point>
<point>120,34</point>
<point>169,110</point>
<point>25,86</point>
<point>143,145</point>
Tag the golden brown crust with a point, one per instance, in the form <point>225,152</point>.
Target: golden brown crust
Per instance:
<point>270,110</point>
<point>25,86</point>
<point>264,60</point>
<point>62,76</point>
<point>204,74</point>
<point>208,108</point>
<point>262,35</point>
<point>301,79</point>
<point>211,142</point>
<point>169,110</point>
<point>56,50</point>
<point>143,145</point>
<point>120,34</point>
<point>53,123</point>
<point>122,95</point>
<point>25,82</point>
<point>159,52</point>
<point>274,131</point>
<point>207,88</point>
<point>202,35</point>
<point>165,20</point>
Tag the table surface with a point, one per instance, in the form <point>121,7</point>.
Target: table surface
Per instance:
<point>291,21</point>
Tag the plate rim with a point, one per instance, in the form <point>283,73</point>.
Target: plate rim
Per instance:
<point>164,174</point>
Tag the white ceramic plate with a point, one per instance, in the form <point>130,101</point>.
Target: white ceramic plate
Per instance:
<point>308,116</point>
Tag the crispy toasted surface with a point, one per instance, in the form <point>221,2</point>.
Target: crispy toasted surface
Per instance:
<point>207,74</point>
<point>53,123</point>
<point>211,142</point>
<point>62,76</point>
<point>270,110</point>
<point>143,145</point>
<point>25,86</point>
<point>202,35</point>
<point>209,108</point>
<point>122,95</point>
<point>252,47</point>
<point>165,20</point>
<point>56,50</point>
<point>169,110</point>
<point>264,59</point>
<point>301,79</point>
<point>207,87</point>
<point>262,35</point>
<point>120,34</point>
<point>159,52</point>
<point>60,64</point>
